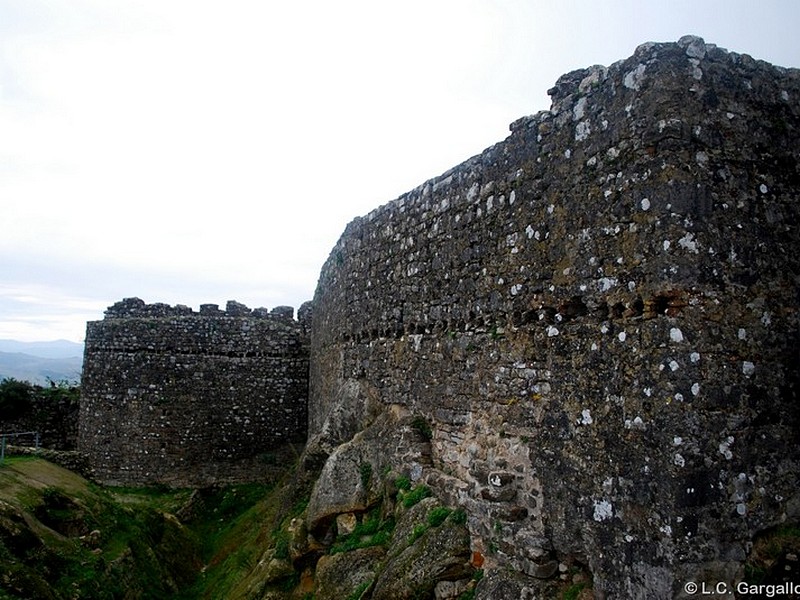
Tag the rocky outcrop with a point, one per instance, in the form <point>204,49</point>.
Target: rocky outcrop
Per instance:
<point>597,319</point>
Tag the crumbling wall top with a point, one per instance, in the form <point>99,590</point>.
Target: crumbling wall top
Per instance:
<point>129,308</point>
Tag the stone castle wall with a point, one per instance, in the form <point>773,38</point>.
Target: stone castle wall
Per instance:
<point>189,399</point>
<point>598,318</point>
<point>54,417</point>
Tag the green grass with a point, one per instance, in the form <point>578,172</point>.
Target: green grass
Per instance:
<point>356,593</point>
<point>234,528</point>
<point>572,592</point>
<point>416,494</point>
<point>438,515</point>
<point>141,549</point>
<point>768,549</point>
<point>365,471</point>
<point>371,531</point>
<point>134,548</point>
<point>459,516</point>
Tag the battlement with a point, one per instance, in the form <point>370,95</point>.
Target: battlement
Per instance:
<point>135,308</point>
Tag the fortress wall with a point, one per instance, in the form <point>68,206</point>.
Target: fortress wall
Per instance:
<point>598,317</point>
<point>186,399</point>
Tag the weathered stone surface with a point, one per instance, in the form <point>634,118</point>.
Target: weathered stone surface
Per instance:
<point>271,569</point>
<point>339,575</point>
<point>55,420</point>
<point>350,480</point>
<point>346,523</point>
<point>175,397</point>
<point>598,317</point>
<point>440,553</point>
<point>506,585</point>
<point>450,590</point>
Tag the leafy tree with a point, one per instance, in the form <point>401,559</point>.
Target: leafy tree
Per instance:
<point>15,398</point>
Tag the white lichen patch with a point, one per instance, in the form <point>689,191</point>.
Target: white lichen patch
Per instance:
<point>689,243</point>
<point>586,417</point>
<point>725,447</point>
<point>748,368</point>
<point>645,204</point>
<point>676,335</point>
<point>603,510</point>
<point>582,131</point>
<point>636,423</point>
<point>579,109</point>
<point>606,283</point>
<point>633,79</point>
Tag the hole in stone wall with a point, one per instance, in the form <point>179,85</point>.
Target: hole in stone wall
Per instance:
<point>636,308</point>
<point>668,303</point>
<point>572,308</point>
<point>617,310</point>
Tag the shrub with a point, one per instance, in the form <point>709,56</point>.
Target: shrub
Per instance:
<point>438,515</point>
<point>15,398</point>
<point>459,516</point>
<point>417,532</point>
<point>370,532</point>
<point>415,495</point>
<point>403,483</point>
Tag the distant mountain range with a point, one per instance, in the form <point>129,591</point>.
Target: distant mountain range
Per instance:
<point>41,362</point>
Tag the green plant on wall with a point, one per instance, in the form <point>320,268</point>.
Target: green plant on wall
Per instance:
<point>423,427</point>
<point>414,495</point>
<point>365,471</point>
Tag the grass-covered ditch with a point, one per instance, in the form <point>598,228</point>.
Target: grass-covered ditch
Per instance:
<point>62,536</point>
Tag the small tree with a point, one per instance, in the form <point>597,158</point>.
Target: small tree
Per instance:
<point>15,398</point>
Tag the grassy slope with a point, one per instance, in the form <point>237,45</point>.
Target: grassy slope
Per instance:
<point>62,537</point>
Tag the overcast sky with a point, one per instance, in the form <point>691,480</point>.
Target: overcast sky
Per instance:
<point>195,152</point>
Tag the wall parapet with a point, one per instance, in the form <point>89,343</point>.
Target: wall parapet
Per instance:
<point>137,308</point>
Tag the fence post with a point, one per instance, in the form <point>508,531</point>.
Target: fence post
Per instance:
<point>3,450</point>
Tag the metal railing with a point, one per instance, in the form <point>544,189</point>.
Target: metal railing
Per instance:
<point>16,434</point>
